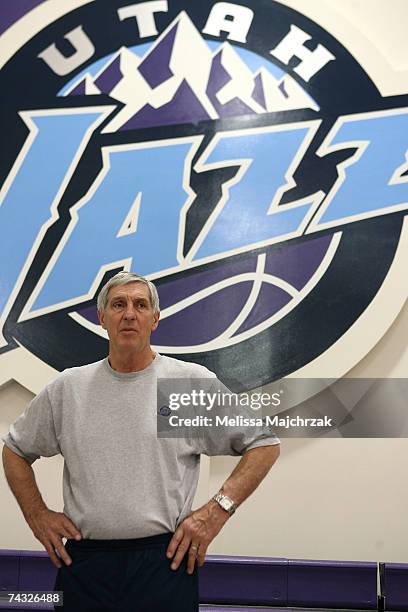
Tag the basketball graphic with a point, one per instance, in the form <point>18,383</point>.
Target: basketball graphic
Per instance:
<point>223,155</point>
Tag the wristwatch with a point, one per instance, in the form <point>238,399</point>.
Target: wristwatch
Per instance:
<point>225,502</point>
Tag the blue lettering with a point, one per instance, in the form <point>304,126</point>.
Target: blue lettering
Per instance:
<point>33,188</point>
<point>366,187</point>
<point>96,240</point>
<point>249,213</point>
<point>133,215</point>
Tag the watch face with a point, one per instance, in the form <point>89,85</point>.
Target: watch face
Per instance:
<point>227,504</point>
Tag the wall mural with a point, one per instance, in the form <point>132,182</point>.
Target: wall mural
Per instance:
<point>235,153</point>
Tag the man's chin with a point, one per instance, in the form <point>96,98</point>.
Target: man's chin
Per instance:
<point>130,341</point>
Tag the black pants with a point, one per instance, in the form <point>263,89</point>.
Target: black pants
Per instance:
<point>125,576</point>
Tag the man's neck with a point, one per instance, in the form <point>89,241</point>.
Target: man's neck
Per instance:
<point>131,362</point>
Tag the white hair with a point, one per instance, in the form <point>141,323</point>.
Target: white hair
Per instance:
<point>124,278</point>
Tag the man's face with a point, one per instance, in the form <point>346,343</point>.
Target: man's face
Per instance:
<point>128,317</point>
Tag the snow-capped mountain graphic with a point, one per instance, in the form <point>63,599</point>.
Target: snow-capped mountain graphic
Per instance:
<point>181,80</point>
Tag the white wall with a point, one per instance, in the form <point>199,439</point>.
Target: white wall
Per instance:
<point>326,498</point>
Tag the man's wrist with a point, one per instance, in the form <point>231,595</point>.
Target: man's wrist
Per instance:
<point>216,512</point>
<point>33,512</point>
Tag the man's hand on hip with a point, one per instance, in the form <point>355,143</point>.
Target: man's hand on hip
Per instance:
<point>49,528</point>
<point>194,535</point>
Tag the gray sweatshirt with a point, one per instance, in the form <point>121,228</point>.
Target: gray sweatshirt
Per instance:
<point>120,480</point>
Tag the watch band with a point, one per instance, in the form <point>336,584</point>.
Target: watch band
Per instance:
<point>225,502</point>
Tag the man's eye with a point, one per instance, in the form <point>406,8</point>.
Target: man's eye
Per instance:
<point>117,305</point>
<point>141,305</point>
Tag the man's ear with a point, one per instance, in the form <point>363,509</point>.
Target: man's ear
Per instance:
<point>156,321</point>
<point>101,319</point>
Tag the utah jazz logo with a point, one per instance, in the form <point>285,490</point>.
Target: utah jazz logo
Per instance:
<point>236,155</point>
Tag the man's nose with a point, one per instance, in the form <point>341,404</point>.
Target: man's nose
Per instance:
<point>129,312</point>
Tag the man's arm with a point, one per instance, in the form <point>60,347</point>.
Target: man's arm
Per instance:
<point>48,527</point>
<point>198,530</point>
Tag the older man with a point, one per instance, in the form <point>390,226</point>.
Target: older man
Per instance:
<point>132,541</point>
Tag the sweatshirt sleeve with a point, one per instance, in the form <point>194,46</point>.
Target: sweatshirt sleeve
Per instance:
<point>33,434</point>
<point>234,428</point>
<point>235,439</point>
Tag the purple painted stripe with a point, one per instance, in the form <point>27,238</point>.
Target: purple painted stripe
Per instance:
<point>36,570</point>
<point>9,569</point>
<point>12,11</point>
<point>244,559</point>
<point>336,584</point>
<point>238,581</point>
<point>396,586</point>
<point>205,608</point>
<point>247,581</point>
<point>243,609</point>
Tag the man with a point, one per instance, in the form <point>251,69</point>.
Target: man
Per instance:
<point>132,541</point>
